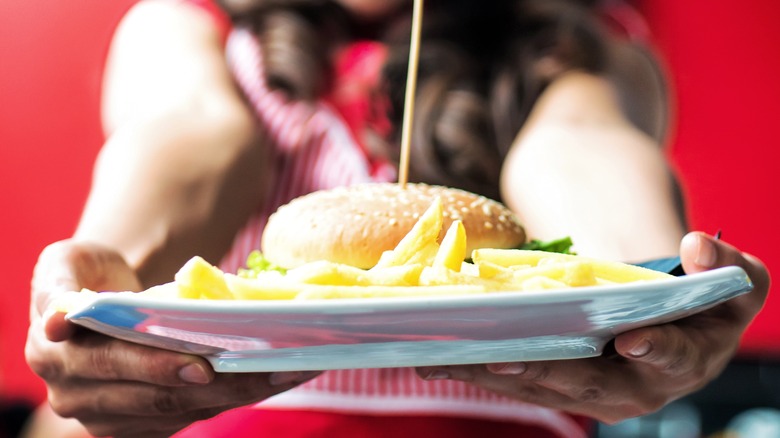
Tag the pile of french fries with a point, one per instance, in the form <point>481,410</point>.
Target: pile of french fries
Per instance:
<point>417,266</point>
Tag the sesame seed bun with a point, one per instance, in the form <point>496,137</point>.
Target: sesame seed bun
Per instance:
<point>354,225</point>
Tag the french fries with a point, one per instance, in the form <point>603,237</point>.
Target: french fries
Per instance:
<point>417,266</point>
<point>420,242</point>
<point>453,248</point>
<point>199,279</point>
<point>331,292</point>
<point>265,287</point>
<point>609,271</point>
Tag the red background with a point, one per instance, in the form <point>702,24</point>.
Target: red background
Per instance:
<point>722,57</point>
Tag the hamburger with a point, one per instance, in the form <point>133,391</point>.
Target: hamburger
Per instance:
<point>354,225</point>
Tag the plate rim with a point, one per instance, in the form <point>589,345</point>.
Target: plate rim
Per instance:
<point>249,360</point>
<point>400,303</point>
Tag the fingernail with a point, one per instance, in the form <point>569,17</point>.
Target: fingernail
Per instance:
<point>640,349</point>
<point>437,375</point>
<point>194,373</point>
<point>285,377</point>
<point>513,368</point>
<point>706,253</point>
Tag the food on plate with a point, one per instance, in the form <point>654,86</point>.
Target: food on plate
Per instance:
<point>381,240</point>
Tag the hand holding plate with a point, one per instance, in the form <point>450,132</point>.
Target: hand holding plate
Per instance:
<point>118,388</point>
<point>653,365</point>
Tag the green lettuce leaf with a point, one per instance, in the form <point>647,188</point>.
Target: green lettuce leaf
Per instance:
<point>257,263</point>
<point>562,245</point>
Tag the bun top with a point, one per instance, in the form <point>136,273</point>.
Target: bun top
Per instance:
<point>354,225</point>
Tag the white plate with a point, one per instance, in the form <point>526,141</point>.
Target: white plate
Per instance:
<point>249,336</point>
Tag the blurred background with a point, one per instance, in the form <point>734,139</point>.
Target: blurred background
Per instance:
<point>722,60</point>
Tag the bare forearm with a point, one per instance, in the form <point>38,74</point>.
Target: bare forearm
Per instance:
<point>580,169</point>
<point>167,189</point>
<point>181,169</point>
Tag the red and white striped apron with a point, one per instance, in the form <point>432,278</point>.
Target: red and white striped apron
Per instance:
<point>313,148</point>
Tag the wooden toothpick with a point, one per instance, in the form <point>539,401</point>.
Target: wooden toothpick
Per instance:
<point>411,86</point>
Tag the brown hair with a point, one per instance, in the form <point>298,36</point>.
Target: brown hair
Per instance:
<point>482,66</point>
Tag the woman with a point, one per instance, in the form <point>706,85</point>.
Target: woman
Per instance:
<point>525,101</point>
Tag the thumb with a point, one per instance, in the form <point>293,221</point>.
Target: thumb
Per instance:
<point>71,266</point>
<point>700,252</point>
<point>55,325</point>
